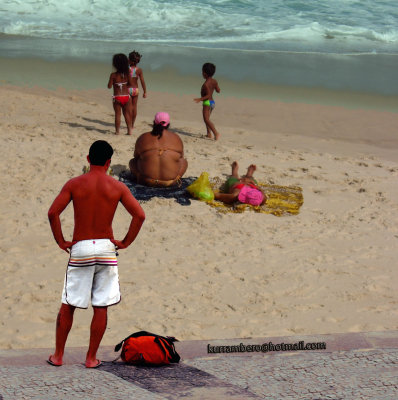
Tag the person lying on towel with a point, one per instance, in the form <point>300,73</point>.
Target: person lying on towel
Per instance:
<point>159,155</point>
<point>243,189</point>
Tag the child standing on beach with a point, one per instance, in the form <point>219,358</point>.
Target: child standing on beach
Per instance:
<point>135,73</point>
<point>206,92</point>
<point>120,80</point>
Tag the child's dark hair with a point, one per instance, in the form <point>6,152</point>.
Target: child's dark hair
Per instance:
<point>121,63</point>
<point>100,152</point>
<point>209,69</point>
<point>158,129</point>
<point>135,57</point>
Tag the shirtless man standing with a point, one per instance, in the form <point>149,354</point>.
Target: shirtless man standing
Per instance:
<point>92,272</point>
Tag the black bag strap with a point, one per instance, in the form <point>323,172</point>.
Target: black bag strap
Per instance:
<point>162,346</point>
<point>135,334</point>
<point>119,345</point>
<point>169,345</point>
<point>175,357</point>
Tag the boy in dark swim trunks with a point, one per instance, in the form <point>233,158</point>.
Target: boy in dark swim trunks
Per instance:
<point>206,92</point>
<point>244,189</point>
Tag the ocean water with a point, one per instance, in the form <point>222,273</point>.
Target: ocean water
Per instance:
<point>340,44</point>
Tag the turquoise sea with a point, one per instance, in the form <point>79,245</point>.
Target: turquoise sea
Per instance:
<point>345,45</point>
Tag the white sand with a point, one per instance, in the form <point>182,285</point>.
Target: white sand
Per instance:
<point>192,272</point>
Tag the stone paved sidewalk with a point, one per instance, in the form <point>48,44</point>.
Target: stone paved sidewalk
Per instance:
<point>353,366</point>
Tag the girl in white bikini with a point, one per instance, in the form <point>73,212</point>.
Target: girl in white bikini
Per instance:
<point>121,81</point>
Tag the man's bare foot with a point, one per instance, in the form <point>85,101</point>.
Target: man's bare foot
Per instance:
<point>216,136</point>
<point>93,364</point>
<point>56,362</point>
<point>117,133</point>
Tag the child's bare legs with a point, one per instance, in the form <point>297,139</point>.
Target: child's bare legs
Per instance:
<point>233,194</point>
<point>248,178</point>
<point>134,110</point>
<point>249,174</point>
<point>235,169</point>
<point>250,170</point>
<point>127,111</point>
<point>209,125</point>
<point>208,130</point>
<point>118,112</point>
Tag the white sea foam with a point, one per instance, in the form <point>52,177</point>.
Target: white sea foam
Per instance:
<point>294,25</point>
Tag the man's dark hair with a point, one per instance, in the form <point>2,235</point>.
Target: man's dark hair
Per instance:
<point>100,152</point>
<point>209,69</point>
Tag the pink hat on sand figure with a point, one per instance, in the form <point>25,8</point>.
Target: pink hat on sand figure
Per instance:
<point>162,118</point>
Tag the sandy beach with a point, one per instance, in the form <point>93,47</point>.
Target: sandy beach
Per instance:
<point>193,272</point>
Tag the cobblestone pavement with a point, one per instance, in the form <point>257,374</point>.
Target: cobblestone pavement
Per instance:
<point>367,374</point>
<point>180,381</point>
<point>67,382</point>
<point>359,371</point>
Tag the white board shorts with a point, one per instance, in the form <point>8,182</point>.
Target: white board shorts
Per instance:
<point>92,274</point>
